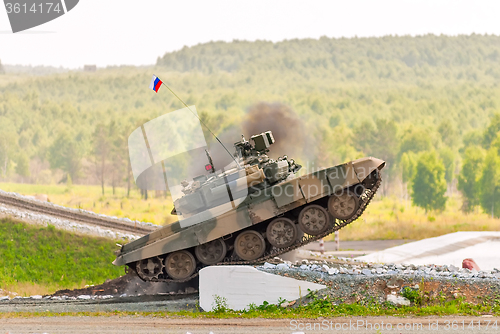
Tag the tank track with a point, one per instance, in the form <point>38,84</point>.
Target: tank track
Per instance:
<point>365,199</point>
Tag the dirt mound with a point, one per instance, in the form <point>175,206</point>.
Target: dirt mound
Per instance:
<point>131,285</point>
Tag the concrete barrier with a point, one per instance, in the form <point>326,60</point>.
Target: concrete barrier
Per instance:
<point>240,286</point>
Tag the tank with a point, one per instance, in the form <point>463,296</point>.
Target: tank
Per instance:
<point>256,209</point>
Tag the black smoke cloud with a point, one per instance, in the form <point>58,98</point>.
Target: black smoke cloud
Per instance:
<point>287,128</point>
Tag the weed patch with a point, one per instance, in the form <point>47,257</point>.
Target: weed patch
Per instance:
<point>317,308</point>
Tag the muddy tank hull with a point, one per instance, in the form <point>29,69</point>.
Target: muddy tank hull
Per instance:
<point>267,223</point>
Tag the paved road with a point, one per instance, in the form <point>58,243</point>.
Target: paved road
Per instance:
<point>448,249</point>
<point>137,324</point>
<point>349,249</point>
<point>365,245</point>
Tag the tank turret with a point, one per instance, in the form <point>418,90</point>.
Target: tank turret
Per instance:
<point>256,171</point>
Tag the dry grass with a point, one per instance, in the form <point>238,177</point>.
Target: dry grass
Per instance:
<point>154,210</point>
<point>26,289</point>
<point>391,218</point>
<point>385,218</point>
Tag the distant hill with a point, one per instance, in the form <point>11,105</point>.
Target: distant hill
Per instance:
<point>33,70</point>
<point>343,98</point>
<point>400,58</point>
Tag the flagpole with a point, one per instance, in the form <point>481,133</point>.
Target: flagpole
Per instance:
<point>213,134</point>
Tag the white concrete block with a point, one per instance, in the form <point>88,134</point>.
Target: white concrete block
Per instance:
<point>241,286</point>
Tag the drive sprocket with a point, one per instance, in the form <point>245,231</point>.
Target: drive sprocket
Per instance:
<point>150,269</point>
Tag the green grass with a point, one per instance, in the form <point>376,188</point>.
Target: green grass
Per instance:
<point>325,308</point>
<point>39,260</point>
<point>315,305</point>
<point>318,308</point>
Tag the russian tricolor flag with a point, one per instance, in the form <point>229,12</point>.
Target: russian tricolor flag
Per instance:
<point>155,83</point>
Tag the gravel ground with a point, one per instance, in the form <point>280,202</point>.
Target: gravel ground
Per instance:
<point>347,282</point>
<point>359,282</point>
<point>126,293</point>
<point>156,303</point>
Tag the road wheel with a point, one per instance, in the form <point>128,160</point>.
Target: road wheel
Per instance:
<point>281,232</point>
<point>211,252</point>
<point>249,245</point>
<point>343,206</point>
<point>180,264</point>
<point>314,219</point>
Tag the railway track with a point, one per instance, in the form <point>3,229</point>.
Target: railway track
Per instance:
<point>78,215</point>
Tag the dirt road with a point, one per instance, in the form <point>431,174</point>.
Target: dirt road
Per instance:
<point>361,325</point>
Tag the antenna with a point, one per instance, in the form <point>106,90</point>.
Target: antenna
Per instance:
<point>213,134</point>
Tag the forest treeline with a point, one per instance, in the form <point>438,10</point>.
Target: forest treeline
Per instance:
<point>427,105</point>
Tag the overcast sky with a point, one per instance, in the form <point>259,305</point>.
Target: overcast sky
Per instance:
<point>117,32</point>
